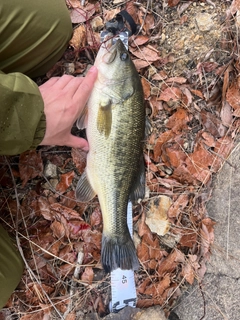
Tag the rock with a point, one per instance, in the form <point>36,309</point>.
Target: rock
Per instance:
<point>156,216</point>
<point>204,22</point>
<point>50,170</point>
<point>129,313</point>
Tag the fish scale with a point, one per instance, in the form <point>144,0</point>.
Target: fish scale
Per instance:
<point>115,169</point>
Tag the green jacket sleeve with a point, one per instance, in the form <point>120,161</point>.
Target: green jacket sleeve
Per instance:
<point>22,120</point>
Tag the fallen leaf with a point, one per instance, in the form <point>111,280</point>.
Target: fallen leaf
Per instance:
<point>157,290</point>
<point>233,96</point>
<point>80,15</point>
<point>173,3</point>
<point>171,94</point>
<point>139,40</point>
<point>30,165</point>
<point>179,80</point>
<point>65,181</point>
<point>178,122</point>
<point>147,53</point>
<point>140,64</point>
<point>58,229</point>
<point>160,76</point>
<point>178,205</point>
<point>79,38</point>
<point>208,139</point>
<point>170,263</point>
<point>96,217</point>
<point>146,88</point>
<point>79,159</point>
<point>88,275</point>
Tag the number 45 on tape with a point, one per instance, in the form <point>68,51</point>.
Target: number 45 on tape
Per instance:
<point>122,281</point>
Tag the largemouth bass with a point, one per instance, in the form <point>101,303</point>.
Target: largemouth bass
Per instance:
<point>115,169</point>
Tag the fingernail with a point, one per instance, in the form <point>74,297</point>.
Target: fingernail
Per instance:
<point>93,69</point>
<point>85,149</point>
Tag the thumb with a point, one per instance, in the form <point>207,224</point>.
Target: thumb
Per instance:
<point>76,142</point>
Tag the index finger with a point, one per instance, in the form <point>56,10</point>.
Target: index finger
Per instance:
<point>84,90</point>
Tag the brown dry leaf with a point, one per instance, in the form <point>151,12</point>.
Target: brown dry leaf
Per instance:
<point>179,80</point>
<point>188,273</point>
<point>207,236</point>
<point>143,285</point>
<point>69,201</point>
<point>65,181</point>
<point>170,263</point>
<point>146,88</point>
<point>171,94</point>
<point>160,76</point>
<point>71,316</point>
<point>110,14</point>
<point>75,228</point>
<point>155,105</point>
<point>79,38</point>
<point>132,9</point>
<point>44,208</point>
<point>178,121</point>
<point>197,93</point>
<point>147,53</point>
<point>183,19</point>
<point>156,290</point>
<point>173,3</point>
<point>163,138</point>
<point>140,64</point>
<point>74,3</point>
<point>188,238</point>
<point>213,124</point>
<point>146,20</point>
<point>66,269</point>
<point>139,40</point>
<point>235,6</point>
<point>58,229</point>
<point>223,147</point>
<point>58,210</point>
<point>233,96</point>
<point>208,139</point>
<point>88,275</point>
<point>79,159</point>
<point>80,14</point>
<point>96,217</point>
<point>178,205</point>
<point>30,165</point>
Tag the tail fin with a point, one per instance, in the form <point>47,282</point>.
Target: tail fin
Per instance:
<point>118,252</point>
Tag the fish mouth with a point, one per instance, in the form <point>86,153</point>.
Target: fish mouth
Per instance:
<point>110,48</point>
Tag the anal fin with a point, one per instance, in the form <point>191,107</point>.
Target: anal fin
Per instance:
<point>138,188</point>
<point>84,191</point>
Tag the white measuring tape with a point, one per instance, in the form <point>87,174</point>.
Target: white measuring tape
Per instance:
<point>122,281</point>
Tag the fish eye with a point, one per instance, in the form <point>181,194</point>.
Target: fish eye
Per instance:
<point>123,56</point>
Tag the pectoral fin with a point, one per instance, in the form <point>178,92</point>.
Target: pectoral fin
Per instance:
<point>138,189</point>
<point>82,120</point>
<point>84,191</point>
<point>104,118</point>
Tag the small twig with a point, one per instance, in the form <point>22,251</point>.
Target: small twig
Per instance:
<point>73,282</point>
<point>204,301</point>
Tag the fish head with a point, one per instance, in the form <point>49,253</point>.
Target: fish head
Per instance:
<point>113,60</point>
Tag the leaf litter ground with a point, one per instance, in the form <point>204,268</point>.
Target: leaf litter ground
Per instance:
<point>187,56</point>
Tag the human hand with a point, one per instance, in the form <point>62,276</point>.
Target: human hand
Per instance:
<point>64,99</point>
